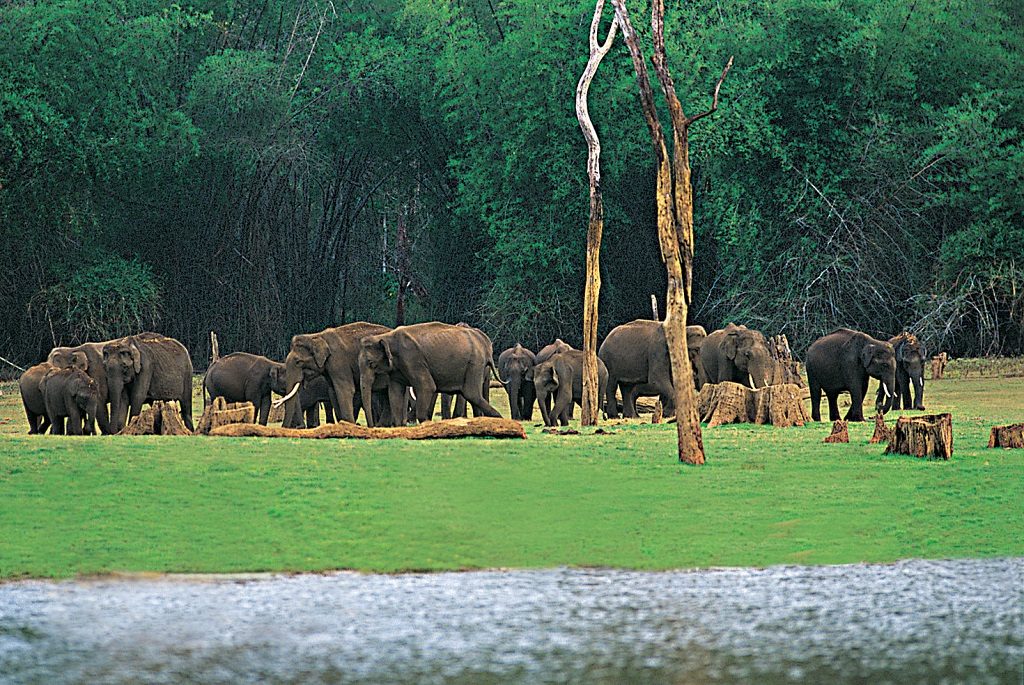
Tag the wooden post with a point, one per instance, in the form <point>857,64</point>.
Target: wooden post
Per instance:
<point>654,307</point>
<point>595,228</point>
<point>674,205</point>
<point>214,348</point>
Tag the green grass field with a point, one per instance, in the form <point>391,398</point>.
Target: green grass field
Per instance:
<point>766,496</point>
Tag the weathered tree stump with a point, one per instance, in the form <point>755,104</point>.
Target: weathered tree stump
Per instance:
<point>775,405</point>
<point>923,436</point>
<point>882,432</point>
<point>939,366</point>
<point>276,414</point>
<point>481,427</point>
<point>220,413</point>
<point>1007,436</point>
<point>658,413</point>
<point>162,418</point>
<point>840,433</point>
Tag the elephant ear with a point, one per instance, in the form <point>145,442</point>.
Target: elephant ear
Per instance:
<point>386,344</point>
<point>320,351</point>
<point>554,375</point>
<point>731,345</point>
<point>80,360</point>
<point>136,358</point>
<point>866,353</point>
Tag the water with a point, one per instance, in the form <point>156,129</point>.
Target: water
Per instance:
<point>915,621</point>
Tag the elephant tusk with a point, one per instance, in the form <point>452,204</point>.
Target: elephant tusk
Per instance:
<point>751,379</point>
<point>886,389</point>
<point>278,403</point>
<point>412,394</point>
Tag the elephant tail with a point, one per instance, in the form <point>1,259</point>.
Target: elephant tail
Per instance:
<point>494,372</point>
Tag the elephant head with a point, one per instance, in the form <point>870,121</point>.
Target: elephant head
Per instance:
<point>910,356</point>
<point>86,396</point>
<point>748,351</point>
<point>122,362</point>
<point>545,378</point>
<point>305,361</point>
<point>69,358</point>
<point>879,360</point>
<point>376,358</point>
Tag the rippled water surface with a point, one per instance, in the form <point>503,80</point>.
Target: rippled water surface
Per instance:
<point>916,621</point>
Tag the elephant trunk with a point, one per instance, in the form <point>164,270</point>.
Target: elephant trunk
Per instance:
<point>760,371</point>
<point>118,402</point>
<point>366,379</point>
<point>293,407</point>
<point>888,395</point>
<point>919,391</point>
<point>514,388</point>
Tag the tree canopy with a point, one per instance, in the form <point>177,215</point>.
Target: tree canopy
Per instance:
<point>246,167</point>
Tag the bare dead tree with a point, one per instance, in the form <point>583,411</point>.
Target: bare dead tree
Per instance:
<point>674,200</point>
<point>592,289</point>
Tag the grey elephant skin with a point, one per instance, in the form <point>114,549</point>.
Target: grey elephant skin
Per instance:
<point>459,411</point>
<point>561,377</point>
<point>636,354</point>
<point>910,360</point>
<point>843,361</point>
<point>245,377</point>
<point>514,366</point>
<point>334,354</point>
<point>429,358</point>
<point>30,387</point>
<point>72,396</point>
<point>546,353</point>
<point>737,354</point>
<point>145,368</point>
<point>89,358</point>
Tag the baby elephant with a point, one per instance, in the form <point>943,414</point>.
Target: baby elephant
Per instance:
<point>31,386</point>
<point>562,376</point>
<point>70,394</point>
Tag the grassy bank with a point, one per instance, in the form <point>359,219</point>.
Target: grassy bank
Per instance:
<point>767,496</point>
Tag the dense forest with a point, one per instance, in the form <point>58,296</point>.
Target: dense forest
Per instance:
<point>270,167</point>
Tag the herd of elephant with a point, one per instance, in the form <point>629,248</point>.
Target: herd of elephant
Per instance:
<point>393,375</point>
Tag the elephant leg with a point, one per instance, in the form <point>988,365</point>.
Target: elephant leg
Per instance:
<point>563,402</point>
<point>344,390</point>
<point>833,405</point>
<point>527,397</point>
<point>398,402</point>
<point>610,403</point>
<point>33,421</point>
<point>513,403</point>
<point>460,408</point>
<point>264,409</point>
<point>328,412</point>
<point>57,425</point>
<point>426,398</point>
<point>103,416</point>
<point>74,425</point>
<point>815,401</point>
<point>628,400</point>
<point>856,412</point>
<point>473,394</point>
<point>313,415</point>
<point>446,406</point>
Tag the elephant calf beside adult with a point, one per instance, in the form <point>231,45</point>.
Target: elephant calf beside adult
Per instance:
<point>843,361</point>
<point>561,377</point>
<point>145,368</point>
<point>636,354</point>
<point>88,357</point>
<point>514,367</point>
<point>70,395</point>
<point>429,358</point>
<point>30,386</point>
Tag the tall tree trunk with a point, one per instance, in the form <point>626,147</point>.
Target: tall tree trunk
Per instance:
<point>674,202</point>
<point>592,289</point>
<point>402,248</point>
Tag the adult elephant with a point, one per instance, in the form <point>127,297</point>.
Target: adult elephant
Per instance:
<point>70,394</point>
<point>738,354</point>
<point>636,354</point>
<point>910,359</point>
<point>333,353</point>
<point>514,365</point>
<point>429,358</point>
<point>30,386</point>
<point>88,357</point>
<point>145,368</point>
<point>843,361</point>
<point>561,377</point>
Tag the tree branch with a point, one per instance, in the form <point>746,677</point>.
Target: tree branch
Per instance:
<point>714,100</point>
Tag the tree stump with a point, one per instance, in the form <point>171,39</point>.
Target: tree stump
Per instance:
<point>923,436</point>
<point>276,414</point>
<point>882,432</point>
<point>658,413</point>
<point>775,405</point>
<point>162,418</point>
<point>1007,436</point>
<point>939,366</point>
<point>220,413</point>
<point>840,433</point>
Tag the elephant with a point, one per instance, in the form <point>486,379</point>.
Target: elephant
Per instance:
<point>514,364</point>
<point>738,354</point>
<point>89,358</point>
<point>842,361</point>
<point>460,401</point>
<point>546,353</point>
<point>244,377</point>
<point>636,354</point>
<point>32,397</point>
<point>429,358</point>
<point>70,394</point>
<point>145,368</point>
<point>333,353</point>
<point>910,358</point>
<point>561,376</point>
